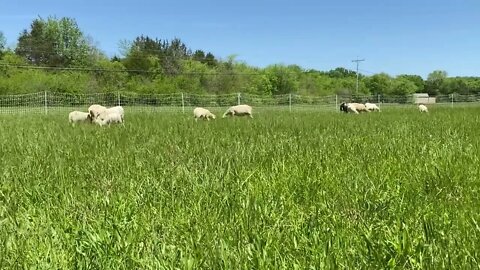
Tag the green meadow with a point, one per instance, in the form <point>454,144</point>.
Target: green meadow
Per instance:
<point>285,190</point>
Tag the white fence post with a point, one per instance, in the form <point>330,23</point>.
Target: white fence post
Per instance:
<point>46,103</point>
<point>183,104</point>
<point>336,102</point>
<point>238,98</point>
<point>118,98</point>
<point>452,100</point>
<point>290,102</point>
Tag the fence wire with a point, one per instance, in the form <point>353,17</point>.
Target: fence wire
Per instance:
<point>45,102</point>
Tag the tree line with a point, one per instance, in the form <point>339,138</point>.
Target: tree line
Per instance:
<point>53,54</point>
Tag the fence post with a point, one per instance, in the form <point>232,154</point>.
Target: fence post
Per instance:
<point>290,102</point>
<point>452,100</point>
<point>336,102</point>
<point>238,98</point>
<point>46,103</point>
<point>118,98</point>
<point>183,104</point>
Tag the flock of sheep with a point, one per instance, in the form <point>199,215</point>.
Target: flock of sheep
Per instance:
<point>101,115</point>
<point>238,110</point>
<point>368,107</point>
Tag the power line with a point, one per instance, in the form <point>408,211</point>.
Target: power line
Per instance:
<point>357,61</point>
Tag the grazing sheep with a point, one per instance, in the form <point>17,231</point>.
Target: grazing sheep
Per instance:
<point>372,107</point>
<point>422,108</point>
<point>107,118</point>
<point>239,110</point>
<point>78,117</point>
<point>203,113</point>
<point>95,110</point>
<point>116,109</point>
<point>353,107</point>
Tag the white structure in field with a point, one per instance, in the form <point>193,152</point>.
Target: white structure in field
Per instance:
<point>423,98</point>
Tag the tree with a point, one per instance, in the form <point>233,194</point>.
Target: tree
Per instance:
<point>203,58</point>
<point>435,82</point>
<point>341,72</point>
<point>3,42</point>
<point>379,83</point>
<point>55,42</point>
<point>455,85</point>
<point>416,79</point>
<point>402,86</point>
<point>284,79</point>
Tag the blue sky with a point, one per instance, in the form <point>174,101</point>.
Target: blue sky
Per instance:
<point>396,37</point>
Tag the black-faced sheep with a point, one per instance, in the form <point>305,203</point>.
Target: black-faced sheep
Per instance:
<point>353,107</point>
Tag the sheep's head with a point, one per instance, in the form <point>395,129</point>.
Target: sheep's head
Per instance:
<point>100,120</point>
<point>212,116</point>
<point>92,115</point>
<point>89,118</point>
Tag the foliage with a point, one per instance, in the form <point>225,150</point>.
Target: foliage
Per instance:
<point>55,42</point>
<point>379,83</point>
<point>153,65</point>
<point>3,42</point>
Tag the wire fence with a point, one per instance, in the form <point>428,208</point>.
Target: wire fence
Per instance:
<point>45,102</point>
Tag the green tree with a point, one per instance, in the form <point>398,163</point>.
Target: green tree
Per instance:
<point>55,42</point>
<point>416,79</point>
<point>402,86</point>
<point>379,83</point>
<point>341,72</point>
<point>284,79</point>
<point>435,83</point>
<point>455,85</point>
<point>3,42</point>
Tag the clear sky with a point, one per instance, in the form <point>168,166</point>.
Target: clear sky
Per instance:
<point>396,37</point>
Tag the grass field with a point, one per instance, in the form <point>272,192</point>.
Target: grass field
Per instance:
<point>303,190</point>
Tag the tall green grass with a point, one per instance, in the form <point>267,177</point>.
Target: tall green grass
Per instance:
<point>396,189</point>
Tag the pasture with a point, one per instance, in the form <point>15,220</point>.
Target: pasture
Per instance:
<point>317,190</point>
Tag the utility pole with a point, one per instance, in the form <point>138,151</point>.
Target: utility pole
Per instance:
<point>357,60</point>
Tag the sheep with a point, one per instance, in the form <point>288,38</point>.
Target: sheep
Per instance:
<point>202,113</point>
<point>78,117</point>
<point>107,118</point>
<point>239,110</point>
<point>422,108</point>
<point>372,107</point>
<point>95,110</point>
<point>353,107</point>
<point>117,109</point>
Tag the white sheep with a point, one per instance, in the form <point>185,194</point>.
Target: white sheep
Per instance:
<point>372,107</point>
<point>239,110</point>
<point>116,109</point>
<point>79,117</point>
<point>107,118</point>
<point>95,110</point>
<point>353,107</point>
<point>203,113</point>
<point>422,108</point>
